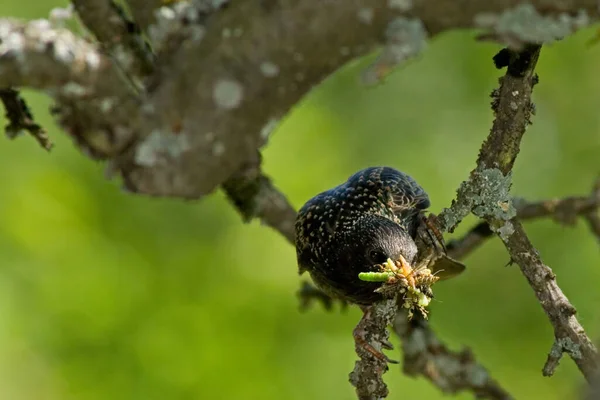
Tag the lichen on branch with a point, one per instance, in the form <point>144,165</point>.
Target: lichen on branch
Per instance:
<point>512,108</point>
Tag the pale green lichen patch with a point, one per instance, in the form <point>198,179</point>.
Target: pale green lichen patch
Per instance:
<point>492,195</point>
<point>524,24</point>
<point>486,194</point>
<point>449,218</point>
<point>477,375</point>
<point>59,16</point>
<point>566,345</point>
<point>269,69</point>
<point>228,94</point>
<point>506,230</point>
<point>158,145</point>
<point>405,39</point>
<point>179,20</point>
<point>74,89</point>
<point>218,149</point>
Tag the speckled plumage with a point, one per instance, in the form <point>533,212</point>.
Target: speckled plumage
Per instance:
<point>350,228</point>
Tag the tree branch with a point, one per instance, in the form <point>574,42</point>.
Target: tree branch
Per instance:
<point>143,11</point>
<point>269,54</point>
<point>486,194</point>
<point>117,35</point>
<point>594,223</point>
<point>20,118</point>
<point>592,391</point>
<point>95,103</point>
<point>367,375</point>
<point>201,121</point>
<point>593,216</point>
<point>253,194</point>
<point>563,210</point>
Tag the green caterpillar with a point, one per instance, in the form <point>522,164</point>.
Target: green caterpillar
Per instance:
<point>375,276</point>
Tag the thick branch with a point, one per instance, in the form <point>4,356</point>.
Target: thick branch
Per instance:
<point>119,36</point>
<point>143,11</point>
<point>96,106</point>
<point>367,375</point>
<point>203,121</point>
<point>264,50</point>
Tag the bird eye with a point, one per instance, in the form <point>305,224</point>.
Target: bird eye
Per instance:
<point>377,256</point>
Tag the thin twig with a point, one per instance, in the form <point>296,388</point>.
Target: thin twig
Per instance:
<point>593,216</point>
<point>486,194</point>
<point>593,221</point>
<point>367,375</point>
<point>253,194</point>
<point>308,294</point>
<point>562,210</point>
<point>592,391</point>
<point>20,118</point>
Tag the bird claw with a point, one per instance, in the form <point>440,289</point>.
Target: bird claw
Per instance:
<point>361,341</point>
<point>374,352</point>
<point>386,344</point>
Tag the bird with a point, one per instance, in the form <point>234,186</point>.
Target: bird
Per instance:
<point>377,214</point>
<point>354,227</point>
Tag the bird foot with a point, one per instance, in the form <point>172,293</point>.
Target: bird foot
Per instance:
<point>432,230</point>
<point>359,334</point>
<point>359,338</point>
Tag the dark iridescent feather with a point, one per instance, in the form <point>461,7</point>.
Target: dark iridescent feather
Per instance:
<point>378,208</point>
<point>377,190</point>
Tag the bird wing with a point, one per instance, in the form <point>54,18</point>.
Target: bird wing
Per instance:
<point>378,190</point>
<point>312,227</point>
<point>405,192</point>
<point>400,193</point>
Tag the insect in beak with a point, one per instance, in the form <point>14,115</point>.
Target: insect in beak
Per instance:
<point>406,270</point>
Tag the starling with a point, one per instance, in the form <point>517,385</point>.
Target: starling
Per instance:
<point>376,216</point>
<point>378,213</point>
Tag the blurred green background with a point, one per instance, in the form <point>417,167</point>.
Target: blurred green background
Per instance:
<point>105,295</point>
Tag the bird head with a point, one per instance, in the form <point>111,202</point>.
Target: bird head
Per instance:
<point>372,240</point>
